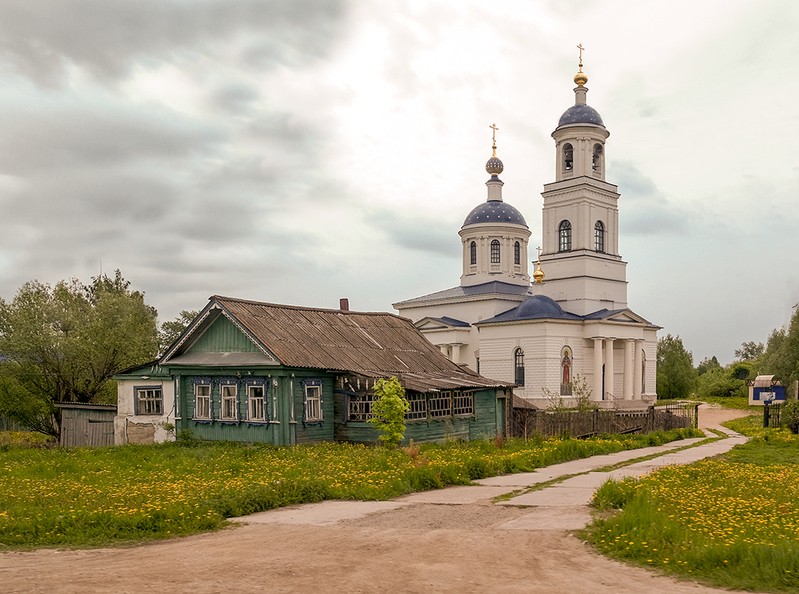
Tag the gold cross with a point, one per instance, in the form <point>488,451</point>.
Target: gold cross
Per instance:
<point>539,250</point>
<point>581,48</point>
<point>494,138</point>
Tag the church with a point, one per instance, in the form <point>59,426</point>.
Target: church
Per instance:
<point>569,335</point>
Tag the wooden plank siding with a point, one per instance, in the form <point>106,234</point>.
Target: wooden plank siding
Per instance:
<point>284,406</point>
<point>87,425</point>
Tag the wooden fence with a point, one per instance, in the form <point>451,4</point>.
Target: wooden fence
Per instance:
<point>527,422</point>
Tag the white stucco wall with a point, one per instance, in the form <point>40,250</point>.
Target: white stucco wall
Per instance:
<point>132,428</point>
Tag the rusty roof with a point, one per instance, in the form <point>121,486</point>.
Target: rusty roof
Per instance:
<point>372,344</point>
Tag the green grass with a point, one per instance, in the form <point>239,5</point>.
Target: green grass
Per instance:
<point>101,496</point>
<point>731,521</point>
<point>9,439</point>
<point>727,402</point>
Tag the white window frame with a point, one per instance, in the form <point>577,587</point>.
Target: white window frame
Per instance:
<point>313,404</point>
<point>150,399</point>
<point>256,402</point>
<point>202,401</point>
<point>229,403</point>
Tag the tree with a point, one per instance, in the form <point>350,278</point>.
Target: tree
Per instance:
<point>171,331</point>
<point>781,357</point>
<point>676,376</point>
<point>707,365</point>
<point>64,343</point>
<point>388,411</point>
<point>749,351</point>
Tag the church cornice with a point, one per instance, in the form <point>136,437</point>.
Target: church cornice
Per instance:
<point>581,182</point>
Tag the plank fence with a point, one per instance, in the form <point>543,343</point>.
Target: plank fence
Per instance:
<point>527,422</point>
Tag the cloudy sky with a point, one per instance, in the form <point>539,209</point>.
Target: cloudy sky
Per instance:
<point>298,151</point>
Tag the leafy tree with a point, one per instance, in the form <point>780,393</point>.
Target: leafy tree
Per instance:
<point>721,382</point>
<point>64,343</point>
<point>707,365</point>
<point>170,331</point>
<point>676,376</point>
<point>389,411</point>
<point>781,357</point>
<point>750,351</point>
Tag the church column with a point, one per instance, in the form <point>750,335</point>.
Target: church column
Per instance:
<point>637,369</point>
<point>629,344</point>
<point>456,353</point>
<point>608,395</point>
<point>597,391</point>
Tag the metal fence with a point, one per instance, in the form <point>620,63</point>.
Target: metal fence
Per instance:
<point>527,422</point>
<point>772,415</point>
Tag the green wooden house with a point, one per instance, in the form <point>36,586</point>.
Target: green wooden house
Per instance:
<point>281,374</point>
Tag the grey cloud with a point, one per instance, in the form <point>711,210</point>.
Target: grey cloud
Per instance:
<point>40,137</point>
<point>107,37</point>
<point>235,98</point>
<point>644,209</point>
<point>413,232</point>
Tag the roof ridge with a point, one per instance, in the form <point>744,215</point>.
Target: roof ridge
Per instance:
<point>303,307</point>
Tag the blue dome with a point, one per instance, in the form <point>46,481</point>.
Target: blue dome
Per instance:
<point>495,211</point>
<point>538,306</point>
<point>580,114</point>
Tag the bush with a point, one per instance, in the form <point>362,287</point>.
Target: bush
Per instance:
<point>790,415</point>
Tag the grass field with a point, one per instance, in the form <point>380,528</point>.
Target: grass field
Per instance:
<point>732,521</point>
<point>101,496</point>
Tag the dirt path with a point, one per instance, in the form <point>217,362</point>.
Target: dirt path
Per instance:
<point>414,548</point>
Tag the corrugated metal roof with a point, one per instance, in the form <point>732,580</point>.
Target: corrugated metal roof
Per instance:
<point>373,344</point>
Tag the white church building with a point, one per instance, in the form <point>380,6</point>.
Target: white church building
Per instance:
<point>572,326</point>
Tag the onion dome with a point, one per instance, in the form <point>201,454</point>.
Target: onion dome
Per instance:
<point>494,211</point>
<point>538,275</point>
<point>494,166</point>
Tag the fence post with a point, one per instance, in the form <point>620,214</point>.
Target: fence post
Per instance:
<point>766,415</point>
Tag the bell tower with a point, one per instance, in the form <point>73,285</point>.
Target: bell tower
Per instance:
<point>584,271</point>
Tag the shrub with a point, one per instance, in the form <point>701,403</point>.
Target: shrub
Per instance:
<point>389,411</point>
<point>790,415</point>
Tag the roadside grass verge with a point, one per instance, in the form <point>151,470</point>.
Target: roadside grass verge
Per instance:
<point>731,521</point>
<point>100,496</point>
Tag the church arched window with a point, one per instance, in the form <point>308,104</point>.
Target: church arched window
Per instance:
<point>495,251</point>
<point>473,253</point>
<point>518,367</point>
<point>596,159</point>
<point>568,156</point>
<point>599,236</point>
<point>564,236</point>
<point>517,253</point>
<point>566,372</point>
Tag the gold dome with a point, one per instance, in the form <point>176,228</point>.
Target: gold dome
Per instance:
<point>538,275</point>
<point>580,78</point>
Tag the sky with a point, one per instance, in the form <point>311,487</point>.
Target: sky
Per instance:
<point>300,151</point>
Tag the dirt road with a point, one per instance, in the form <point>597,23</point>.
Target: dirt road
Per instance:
<point>414,548</point>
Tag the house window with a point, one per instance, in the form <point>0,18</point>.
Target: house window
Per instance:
<point>202,401</point>
<point>518,367</point>
<point>256,409</point>
<point>495,251</point>
<point>418,407</point>
<point>359,406</point>
<point>313,403</point>
<point>473,253</point>
<point>599,236</point>
<point>517,253</point>
<point>440,405</point>
<point>462,403</point>
<point>149,401</point>
<point>229,408</point>
<point>568,156</point>
<point>566,372</point>
<point>564,236</point>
